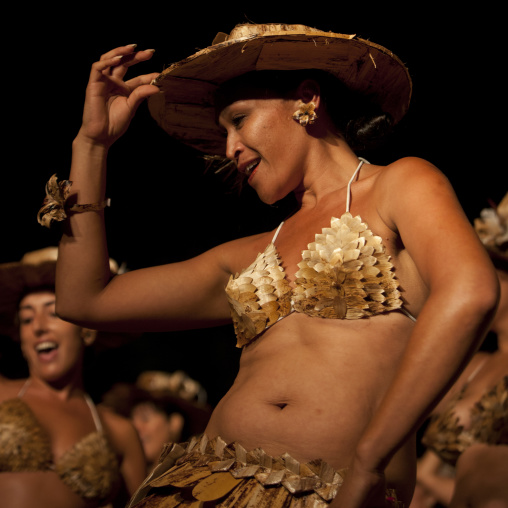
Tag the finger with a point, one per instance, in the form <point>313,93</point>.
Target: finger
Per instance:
<point>140,94</point>
<point>119,59</point>
<point>104,65</point>
<point>130,59</point>
<point>145,79</point>
<point>120,51</point>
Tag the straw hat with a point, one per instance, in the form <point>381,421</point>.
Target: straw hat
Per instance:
<point>169,392</point>
<point>185,107</point>
<point>492,228</point>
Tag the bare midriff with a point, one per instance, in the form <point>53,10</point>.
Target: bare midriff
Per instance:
<point>41,489</point>
<point>309,387</point>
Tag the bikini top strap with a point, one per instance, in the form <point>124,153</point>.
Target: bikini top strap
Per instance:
<point>277,232</point>
<point>24,388</point>
<point>362,161</point>
<point>408,314</point>
<point>476,370</point>
<point>348,197</point>
<point>88,400</point>
<point>93,410</point>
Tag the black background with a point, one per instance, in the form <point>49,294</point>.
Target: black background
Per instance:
<point>163,207</point>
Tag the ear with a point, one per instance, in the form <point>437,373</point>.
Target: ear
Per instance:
<point>309,91</point>
<point>88,336</point>
<point>176,422</point>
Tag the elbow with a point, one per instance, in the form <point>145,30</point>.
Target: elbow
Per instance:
<point>481,300</point>
<point>68,312</point>
<point>489,298</point>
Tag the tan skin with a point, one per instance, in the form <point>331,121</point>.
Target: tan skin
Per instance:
<point>55,395</point>
<point>483,467</point>
<point>155,428</point>
<point>349,392</point>
<point>482,490</point>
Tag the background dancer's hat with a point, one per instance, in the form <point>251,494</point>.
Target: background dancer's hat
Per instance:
<point>492,228</point>
<point>36,271</point>
<point>185,109</point>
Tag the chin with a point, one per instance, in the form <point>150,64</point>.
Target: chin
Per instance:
<point>269,198</point>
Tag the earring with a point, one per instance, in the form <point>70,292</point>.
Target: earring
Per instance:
<point>305,114</point>
<point>88,336</point>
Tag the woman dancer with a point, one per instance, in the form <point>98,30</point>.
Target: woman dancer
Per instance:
<point>58,450</point>
<point>163,408</point>
<point>336,339</point>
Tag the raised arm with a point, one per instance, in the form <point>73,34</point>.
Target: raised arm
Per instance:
<point>417,201</point>
<point>165,297</point>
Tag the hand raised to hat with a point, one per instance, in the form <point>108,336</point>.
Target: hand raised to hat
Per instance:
<point>111,102</point>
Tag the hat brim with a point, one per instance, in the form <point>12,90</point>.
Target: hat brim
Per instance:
<point>22,277</point>
<point>185,108</point>
<point>16,279</point>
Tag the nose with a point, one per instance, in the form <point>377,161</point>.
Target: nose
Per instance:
<point>234,147</point>
<point>39,323</point>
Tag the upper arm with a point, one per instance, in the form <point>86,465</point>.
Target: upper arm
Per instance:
<point>422,207</point>
<point>133,467</point>
<point>178,295</point>
<point>126,441</point>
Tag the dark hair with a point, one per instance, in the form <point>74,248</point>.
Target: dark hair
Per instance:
<point>123,397</point>
<point>362,123</point>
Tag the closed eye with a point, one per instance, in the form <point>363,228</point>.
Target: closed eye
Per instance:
<point>237,120</point>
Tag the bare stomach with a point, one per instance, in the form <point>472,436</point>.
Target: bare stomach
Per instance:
<point>309,387</point>
<point>41,489</point>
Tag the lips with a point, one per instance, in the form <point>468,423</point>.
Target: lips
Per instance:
<point>46,348</point>
<point>249,169</point>
<point>47,345</point>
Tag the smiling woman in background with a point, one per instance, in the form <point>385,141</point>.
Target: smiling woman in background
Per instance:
<point>57,449</point>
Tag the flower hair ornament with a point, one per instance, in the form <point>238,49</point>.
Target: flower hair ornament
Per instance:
<point>54,206</point>
<point>305,114</point>
<point>492,228</point>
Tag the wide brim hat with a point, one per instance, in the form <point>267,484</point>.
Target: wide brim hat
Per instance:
<point>185,108</point>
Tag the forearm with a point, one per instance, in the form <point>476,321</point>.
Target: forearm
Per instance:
<point>83,262</point>
<point>110,105</point>
<point>440,488</point>
<point>443,340</point>
<point>433,479</point>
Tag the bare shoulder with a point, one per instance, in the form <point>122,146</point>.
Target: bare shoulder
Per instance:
<point>411,185</point>
<point>410,169</point>
<point>9,388</point>
<point>119,429</point>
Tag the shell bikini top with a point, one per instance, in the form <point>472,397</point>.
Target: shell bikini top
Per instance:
<point>344,274</point>
<point>488,424</point>
<point>90,468</point>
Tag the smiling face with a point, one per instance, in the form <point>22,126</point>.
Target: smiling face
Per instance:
<point>267,144</point>
<point>53,348</point>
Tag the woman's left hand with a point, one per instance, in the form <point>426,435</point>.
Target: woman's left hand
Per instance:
<point>362,489</point>
<point>111,102</point>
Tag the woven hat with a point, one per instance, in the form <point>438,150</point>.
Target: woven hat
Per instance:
<point>492,228</point>
<point>167,391</point>
<point>185,107</point>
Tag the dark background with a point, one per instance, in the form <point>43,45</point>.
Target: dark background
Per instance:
<point>163,207</point>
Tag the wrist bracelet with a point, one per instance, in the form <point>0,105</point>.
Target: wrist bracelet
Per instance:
<point>54,206</point>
